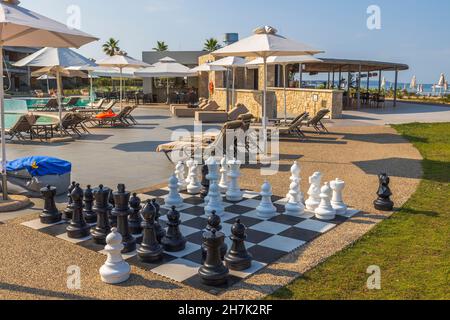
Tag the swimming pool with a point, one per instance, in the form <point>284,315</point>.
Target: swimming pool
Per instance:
<point>32,103</point>
<point>11,119</point>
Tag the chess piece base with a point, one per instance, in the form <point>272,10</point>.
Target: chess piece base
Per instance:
<point>171,246</point>
<point>237,263</point>
<point>340,208</point>
<point>149,255</point>
<point>214,277</point>
<point>264,213</point>
<point>67,215</point>
<point>326,215</point>
<point>294,209</point>
<point>50,218</point>
<point>384,205</point>
<point>312,205</point>
<point>90,217</point>
<point>99,237</point>
<point>116,274</point>
<point>129,245</point>
<point>194,190</point>
<point>78,232</point>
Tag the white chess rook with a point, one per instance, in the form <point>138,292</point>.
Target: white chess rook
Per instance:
<point>294,205</point>
<point>313,201</point>
<point>266,209</point>
<point>215,202</point>
<point>180,171</point>
<point>174,198</point>
<point>337,202</point>
<point>213,175</point>
<point>234,192</point>
<point>194,187</point>
<point>115,270</point>
<point>223,175</point>
<point>325,210</point>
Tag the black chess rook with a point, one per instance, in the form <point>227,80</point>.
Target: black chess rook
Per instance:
<point>50,214</point>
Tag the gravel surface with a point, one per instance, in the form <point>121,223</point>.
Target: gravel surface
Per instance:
<point>34,265</point>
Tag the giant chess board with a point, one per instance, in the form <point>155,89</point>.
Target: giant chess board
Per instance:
<point>267,240</point>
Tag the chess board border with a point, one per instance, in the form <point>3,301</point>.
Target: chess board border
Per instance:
<point>269,240</point>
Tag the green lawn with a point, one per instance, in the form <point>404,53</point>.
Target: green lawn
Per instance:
<point>412,248</point>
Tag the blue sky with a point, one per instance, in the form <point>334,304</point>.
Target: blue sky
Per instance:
<point>413,31</point>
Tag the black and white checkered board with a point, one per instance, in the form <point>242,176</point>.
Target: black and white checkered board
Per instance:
<point>268,240</point>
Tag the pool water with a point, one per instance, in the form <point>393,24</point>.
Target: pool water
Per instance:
<point>31,103</point>
<point>11,119</point>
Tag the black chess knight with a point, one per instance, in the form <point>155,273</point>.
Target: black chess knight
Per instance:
<point>134,219</point>
<point>150,250</point>
<point>50,214</point>
<point>78,228</point>
<point>384,202</point>
<point>173,241</point>
<point>213,272</point>
<point>120,213</point>
<point>238,258</point>
<point>101,208</point>
<point>68,212</point>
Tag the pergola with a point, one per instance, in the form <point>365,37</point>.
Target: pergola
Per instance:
<point>333,66</point>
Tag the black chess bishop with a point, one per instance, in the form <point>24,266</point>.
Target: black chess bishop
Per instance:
<point>150,249</point>
<point>101,208</point>
<point>50,214</point>
<point>213,272</point>
<point>173,241</point>
<point>238,258</point>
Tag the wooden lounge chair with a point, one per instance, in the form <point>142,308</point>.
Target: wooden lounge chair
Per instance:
<point>117,120</point>
<point>71,103</point>
<point>316,121</point>
<point>128,118</point>
<point>291,129</point>
<point>189,149</point>
<point>51,105</point>
<point>97,104</point>
<point>221,116</point>
<point>23,126</point>
<point>187,112</point>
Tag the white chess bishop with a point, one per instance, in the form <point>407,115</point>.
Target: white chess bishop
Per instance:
<point>337,201</point>
<point>266,209</point>
<point>223,175</point>
<point>180,171</point>
<point>174,198</point>
<point>115,270</point>
<point>215,202</point>
<point>295,176</point>
<point>234,192</point>
<point>194,186</point>
<point>325,210</point>
<point>294,205</point>
<point>314,191</point>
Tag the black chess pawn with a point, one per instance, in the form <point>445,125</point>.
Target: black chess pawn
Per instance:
<point>101,208</point>
<point>134,219</point>
<point>50,214</point>
<point>384,202</point>
<point>213,272</point>
<point>150,249</point>
<point>121,211</point>
<point>112,218</point>
<point>214,223</point>
<point>78,228</point>
<point>89,215</point>
<point>68,212</point>
<point>160,232</point>
<point>173,241</point>
<point>238,258</point>
<point>205,182</point>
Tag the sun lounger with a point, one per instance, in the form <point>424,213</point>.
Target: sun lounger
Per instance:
<point>316,121</point>
<point>22,127</point>
<point>221,116</point>
<point>71,103</point>
<point>188,112</point>
<point>98,104</point>
<point>51,105</point>
<point>291,129</point>
<point>115,120</point>
<point>188,149</point>
<point>201,103</point>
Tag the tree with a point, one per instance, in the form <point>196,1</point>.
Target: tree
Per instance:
<point>161,46</point>
<point>211,45</point>
<point>111,47</point>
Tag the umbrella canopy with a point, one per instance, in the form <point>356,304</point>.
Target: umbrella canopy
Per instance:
<point>207,67</point>
<point>23,28</point>
<point>51,72</point>
<point>265,42</point>
<point>166,68</point>
<point>121,60</point>
<point>46,77</point>
<point>55,61</point>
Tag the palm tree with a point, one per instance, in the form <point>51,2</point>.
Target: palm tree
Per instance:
<point>111,47</point>
<point>211,45</point>
<point>161,46</point>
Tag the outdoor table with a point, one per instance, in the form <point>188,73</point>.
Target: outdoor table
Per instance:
<point>46,128</point>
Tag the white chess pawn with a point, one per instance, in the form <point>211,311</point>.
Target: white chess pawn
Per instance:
<point>223,175</point>
<point>234,192</point>
<point>180,171</point>
<point>314,191</point>
<point>266,209</point>
<point>215,201</point>
<point>294,206</point>
<point>194,186</point>
<point>337,201</point>
<point>213,174</point>
<point>325,210</point>
<point>115,270</point>
<point>295,175</point>
<point>174,198</point>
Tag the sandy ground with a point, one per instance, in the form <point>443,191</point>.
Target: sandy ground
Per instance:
<point>34,265</point>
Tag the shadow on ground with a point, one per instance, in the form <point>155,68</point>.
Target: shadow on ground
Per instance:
<point>394,167</point>
<point>141,146</point>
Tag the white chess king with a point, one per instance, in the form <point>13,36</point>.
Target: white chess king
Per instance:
<point>325,210</point>
<point>115,270</point>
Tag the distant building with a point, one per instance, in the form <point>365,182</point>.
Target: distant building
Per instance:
<point>17,79</point>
